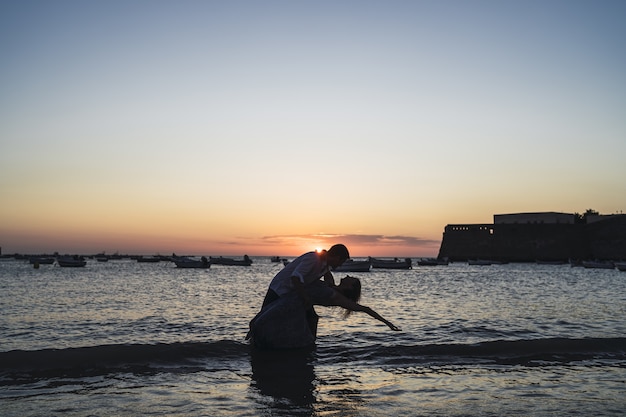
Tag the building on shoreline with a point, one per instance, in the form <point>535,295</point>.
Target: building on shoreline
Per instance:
<point>530,237</point>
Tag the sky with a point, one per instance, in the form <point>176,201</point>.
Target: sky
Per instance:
<point>278,127</point>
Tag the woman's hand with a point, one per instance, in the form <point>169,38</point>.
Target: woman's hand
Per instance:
<point>393,327</point>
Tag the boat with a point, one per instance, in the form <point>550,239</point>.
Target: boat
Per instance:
<point>550,262</point>
<point>246,261</point>
<point>432,262</point>
<point>482,262</point>
<point>391,263</point>
<point>41,260</point>
<point>599,264</point>
<point>148,259</point>
<point>354,266</point>
<point>275,259</point>
<point>621,266</point>
<point>184,262</point>
<point>71,261</point>
<point>575,263</point>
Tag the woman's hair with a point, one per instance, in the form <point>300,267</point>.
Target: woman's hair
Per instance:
<point>353,293</point>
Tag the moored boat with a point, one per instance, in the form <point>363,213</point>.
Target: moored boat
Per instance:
<point>392,263</point>
<point>550,262</point>
<point>481,262</point>
<point>41,260</point>
<point>184,262</point>
<point>574,263</point>
<point>598,264</point>
<point>71,261</point>
<point>432,262</point>
<point>354,266</point>
<point>246,261</point>
<point>148,259</point>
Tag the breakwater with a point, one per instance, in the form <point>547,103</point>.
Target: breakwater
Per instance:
<point>529,242</point>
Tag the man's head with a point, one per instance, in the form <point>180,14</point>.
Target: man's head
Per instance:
<point>337,255</point>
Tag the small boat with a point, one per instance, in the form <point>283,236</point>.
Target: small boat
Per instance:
<point>621,266</point>
<point>550,262</point>
<point>392,263</point>
<point>148,259</point>
<point>41,260</point>
<point>184,262</point>
<point>599,264</point>
<point>71,261</point>
<point>574,263</point>
<point>246,261</point>
<point>354,266</point>
<point>275,259</point>
<point>482,262</point>
<point>432,262</point>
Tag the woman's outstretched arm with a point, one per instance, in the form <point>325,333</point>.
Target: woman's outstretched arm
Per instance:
<point>339,300</point>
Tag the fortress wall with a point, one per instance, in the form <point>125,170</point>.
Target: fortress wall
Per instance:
<point>540,241</point>
<point>607,238</point>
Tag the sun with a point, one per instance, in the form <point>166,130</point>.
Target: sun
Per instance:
<point>318,250</point>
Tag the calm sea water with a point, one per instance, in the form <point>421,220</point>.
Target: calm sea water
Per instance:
<point>130,339</point>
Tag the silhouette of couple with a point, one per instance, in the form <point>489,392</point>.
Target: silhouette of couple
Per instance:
<point>287,318</point>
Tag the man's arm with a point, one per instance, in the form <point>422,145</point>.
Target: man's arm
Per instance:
<point>329,279</point>
<point>299,288</point>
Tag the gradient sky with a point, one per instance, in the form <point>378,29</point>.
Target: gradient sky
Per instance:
<point>274,127</point>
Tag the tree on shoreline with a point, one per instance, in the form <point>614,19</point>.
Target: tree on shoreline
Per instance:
<point>582,218</point>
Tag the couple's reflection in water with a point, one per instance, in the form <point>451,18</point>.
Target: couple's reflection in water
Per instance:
<point>285,379</point>
<point>285,383</point>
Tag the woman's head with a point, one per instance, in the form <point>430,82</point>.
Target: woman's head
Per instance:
<point>350,287</point>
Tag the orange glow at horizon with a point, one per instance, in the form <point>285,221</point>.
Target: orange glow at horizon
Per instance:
<point>62,239</point>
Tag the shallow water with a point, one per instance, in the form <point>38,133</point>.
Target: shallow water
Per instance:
<point>125,338</point>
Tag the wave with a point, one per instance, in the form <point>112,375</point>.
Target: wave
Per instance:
<point>202,356</point>
<point>103,359</point>
<point>535,352</point>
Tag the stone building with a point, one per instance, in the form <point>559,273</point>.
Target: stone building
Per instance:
<point>530,237</point>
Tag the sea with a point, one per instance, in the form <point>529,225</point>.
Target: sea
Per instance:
<point>123,338</point>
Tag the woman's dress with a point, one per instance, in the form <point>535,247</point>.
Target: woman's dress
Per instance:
<point>283,324</point>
